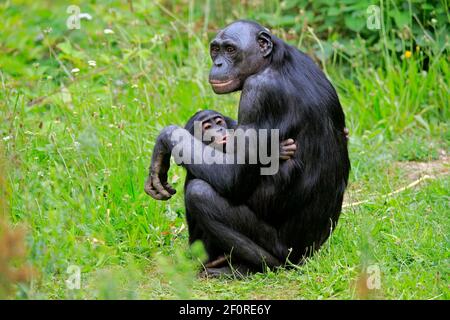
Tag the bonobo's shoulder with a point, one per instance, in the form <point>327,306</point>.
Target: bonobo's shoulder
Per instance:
<point>262,80</point>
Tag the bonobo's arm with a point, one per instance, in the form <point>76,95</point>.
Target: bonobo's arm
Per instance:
<point>156,185</point>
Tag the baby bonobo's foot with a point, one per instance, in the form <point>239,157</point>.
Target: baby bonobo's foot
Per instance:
<point>287,149</point>
<point>236,271</point>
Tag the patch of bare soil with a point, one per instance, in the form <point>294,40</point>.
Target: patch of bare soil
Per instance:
<point>415,170</point>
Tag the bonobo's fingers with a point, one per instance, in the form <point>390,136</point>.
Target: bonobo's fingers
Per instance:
<point>148,186</point>
<point>346,133</point>
<point>287,141</point>
<point>169,188</point>
<point>156,183</point>
<point>152,191</point>
<point>290,147</point>
<point>287,149</point>
<point>154,188</point>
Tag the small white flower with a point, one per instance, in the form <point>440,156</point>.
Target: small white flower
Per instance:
<point>134,86</point>
<point>75,70</point>
<point>108,31</point>
<point>6,138</point>
<point>76,144</point>
<point>156,39</point>
<point>92,63</point>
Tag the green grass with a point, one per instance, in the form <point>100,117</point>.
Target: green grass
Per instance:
<point>78,157</point>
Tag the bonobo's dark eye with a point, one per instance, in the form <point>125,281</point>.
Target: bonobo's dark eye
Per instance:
<point>219,121</point>
<point>206,126</point>
<point>230,49</point>
<point>214,49</point>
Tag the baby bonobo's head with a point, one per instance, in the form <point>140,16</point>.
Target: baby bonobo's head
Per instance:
<point>212,126</point>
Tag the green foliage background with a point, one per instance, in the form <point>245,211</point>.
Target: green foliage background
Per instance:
<point>78,143</point>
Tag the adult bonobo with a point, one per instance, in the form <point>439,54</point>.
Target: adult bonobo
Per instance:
<point>266,220</point>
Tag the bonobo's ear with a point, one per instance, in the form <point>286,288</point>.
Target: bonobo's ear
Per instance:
<point>265,43</point>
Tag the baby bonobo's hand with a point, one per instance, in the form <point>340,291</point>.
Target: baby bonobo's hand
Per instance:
<point>287,149</point>
<point>346,133</point>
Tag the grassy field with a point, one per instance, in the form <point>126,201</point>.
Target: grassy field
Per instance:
<point>80,112</point>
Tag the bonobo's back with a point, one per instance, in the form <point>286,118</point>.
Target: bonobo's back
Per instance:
<point>307,193</point>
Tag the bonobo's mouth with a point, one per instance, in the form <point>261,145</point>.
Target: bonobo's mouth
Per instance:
<point>223,140</point>
<point>217,141</point>
<point>221,86</point>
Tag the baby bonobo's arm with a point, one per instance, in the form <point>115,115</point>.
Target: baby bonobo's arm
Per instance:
<point>287,149</point>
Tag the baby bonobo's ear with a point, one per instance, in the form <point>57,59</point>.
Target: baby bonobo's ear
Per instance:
<point>287,149</point>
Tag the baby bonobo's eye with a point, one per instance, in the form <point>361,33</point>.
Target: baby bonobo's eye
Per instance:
<point>220,122</point>
<point>206,126</point>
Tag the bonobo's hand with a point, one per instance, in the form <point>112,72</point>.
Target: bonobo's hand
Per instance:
<point>156,185</point>
<point>287,149</point>
<point>346,133</point>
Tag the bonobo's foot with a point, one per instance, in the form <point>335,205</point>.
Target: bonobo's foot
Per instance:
<point>218,262</point>
<point>236,271</point>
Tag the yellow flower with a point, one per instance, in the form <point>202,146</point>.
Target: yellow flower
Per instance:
<point>408,54</point>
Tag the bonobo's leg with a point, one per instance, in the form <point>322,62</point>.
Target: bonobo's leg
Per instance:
<point>235,229</point>
<point>196,233</point>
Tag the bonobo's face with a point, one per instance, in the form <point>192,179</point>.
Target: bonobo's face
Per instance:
<point>215,130</point>
<point>239,51</point>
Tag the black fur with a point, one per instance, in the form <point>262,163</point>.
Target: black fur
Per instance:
<point>265,220</point>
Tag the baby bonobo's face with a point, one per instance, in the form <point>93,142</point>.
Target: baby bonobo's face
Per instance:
<point>214,132</point>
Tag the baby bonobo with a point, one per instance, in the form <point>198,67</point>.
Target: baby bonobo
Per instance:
<point>213,129</point>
